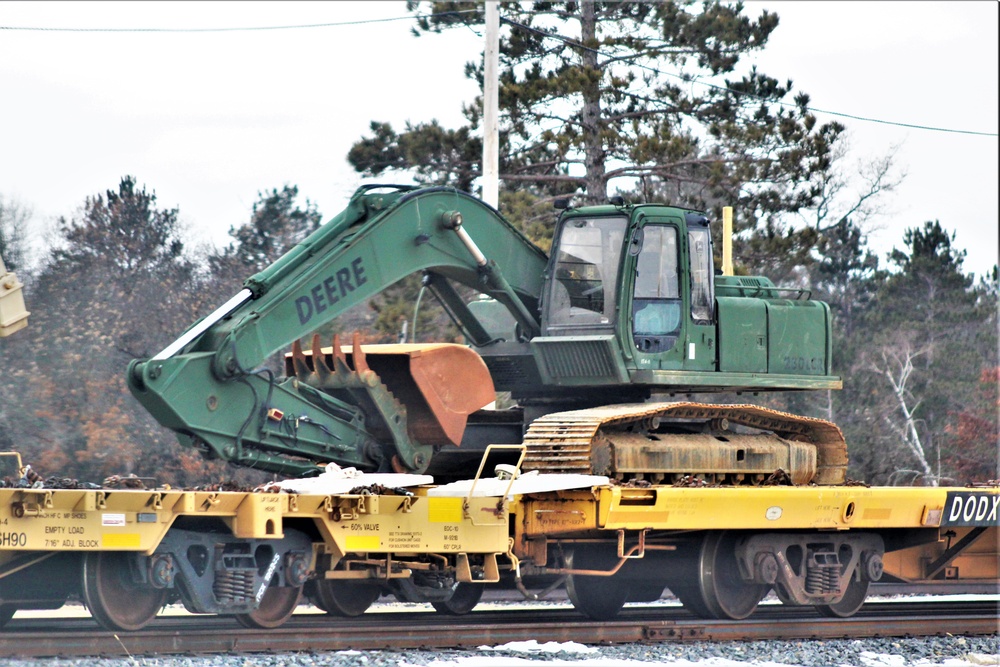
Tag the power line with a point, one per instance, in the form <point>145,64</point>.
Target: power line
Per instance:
<point>565,40</point>
<point>240,29</point>
<point>900,124</point>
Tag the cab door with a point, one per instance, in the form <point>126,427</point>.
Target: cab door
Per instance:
<point>654,323</point>
<point>669,288</point>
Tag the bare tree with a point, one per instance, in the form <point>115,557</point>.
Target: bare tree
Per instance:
<point>897,368</point>
<point>858,196</point>
<point>14,218</point>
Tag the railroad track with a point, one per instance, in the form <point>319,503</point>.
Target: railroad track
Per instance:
<point>36,637</point>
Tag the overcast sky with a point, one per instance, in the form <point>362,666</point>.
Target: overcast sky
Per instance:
<point>210,119</point>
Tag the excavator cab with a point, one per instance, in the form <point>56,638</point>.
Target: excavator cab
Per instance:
<point>631,307</point>
<point>631,299</point>
<point>647,279</point>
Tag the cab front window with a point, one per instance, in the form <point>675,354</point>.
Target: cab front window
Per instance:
<point>586,273</point>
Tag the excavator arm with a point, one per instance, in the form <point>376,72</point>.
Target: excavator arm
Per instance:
<point>340,406</point>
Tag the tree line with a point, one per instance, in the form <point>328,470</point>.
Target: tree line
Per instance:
<point>648,101</point>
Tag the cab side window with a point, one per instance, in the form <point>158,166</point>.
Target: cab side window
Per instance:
<point>702,275</point>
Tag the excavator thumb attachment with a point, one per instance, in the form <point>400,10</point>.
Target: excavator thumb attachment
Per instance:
<point>440,384</point>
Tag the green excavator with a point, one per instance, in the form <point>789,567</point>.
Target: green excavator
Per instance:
<point>603,346</point>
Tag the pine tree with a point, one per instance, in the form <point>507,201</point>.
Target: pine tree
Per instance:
<point>929,337</point>
<point>593,93</point>
<point>117,286</point>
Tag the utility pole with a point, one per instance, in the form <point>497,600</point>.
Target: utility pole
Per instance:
<point>491,133</point>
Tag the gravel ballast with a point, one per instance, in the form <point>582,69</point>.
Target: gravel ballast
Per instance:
<point>887,652</point>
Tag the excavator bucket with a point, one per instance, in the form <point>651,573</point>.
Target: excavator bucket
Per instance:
<point>440,384</point>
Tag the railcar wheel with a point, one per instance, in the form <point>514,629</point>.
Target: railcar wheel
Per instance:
<point>712,587</point>
<point>600,598</point>
<point>113,598</point>
<point>857,592</point>
<point>339,597</point>
<point>7,612</point>
<point>276,606</point>
<point>462,601</point>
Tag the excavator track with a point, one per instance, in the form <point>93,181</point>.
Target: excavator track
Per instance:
<point>671,441</point>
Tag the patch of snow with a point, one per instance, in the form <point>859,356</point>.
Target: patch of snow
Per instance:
<point>868,659</point>
<point>530,482</point>
<point>337,480</point>
<point>485,661</point>
<point>949,597</point>
<point>533,646</point>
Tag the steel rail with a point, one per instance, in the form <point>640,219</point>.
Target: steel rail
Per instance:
<point>380,631</point>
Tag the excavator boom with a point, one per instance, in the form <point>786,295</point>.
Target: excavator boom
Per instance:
<point>205,386</point>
